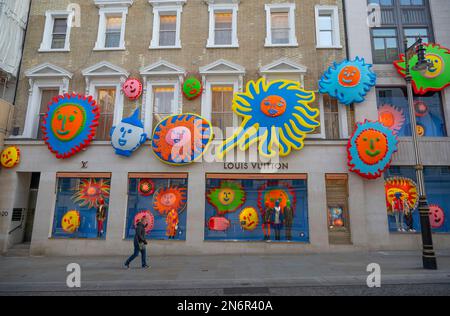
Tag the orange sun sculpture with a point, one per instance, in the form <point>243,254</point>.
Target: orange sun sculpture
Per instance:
<point>91,191</point>
<point>181,139</point>
<point>169,198</point>
<point>403,188</point>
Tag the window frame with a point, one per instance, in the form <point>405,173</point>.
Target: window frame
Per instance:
<point>333,12</point>
<point>221,8</point>
<point>157,10</point>
<point>104,12</point>
<point>47,38</point>
<point>398,24</point>
<point>281,7</point>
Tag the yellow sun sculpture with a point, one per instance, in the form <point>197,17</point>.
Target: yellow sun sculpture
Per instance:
<point>275,114</point>
<point>169,198</point>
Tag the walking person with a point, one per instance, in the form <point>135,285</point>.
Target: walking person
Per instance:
<point>139,245</point>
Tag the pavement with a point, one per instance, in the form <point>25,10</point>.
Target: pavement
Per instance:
<point>303,274</point>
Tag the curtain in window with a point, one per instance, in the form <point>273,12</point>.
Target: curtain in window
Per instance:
<point>223,28</point>
<point>46,97</point>
<point>167,30</point>
<point>106,101</point>
<point>113,31</point>
<point>280,27</point>
<point>163,106</point>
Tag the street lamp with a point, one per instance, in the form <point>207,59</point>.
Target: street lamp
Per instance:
<point>428,255</point>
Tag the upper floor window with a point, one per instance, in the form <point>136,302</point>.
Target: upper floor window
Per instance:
<point>400,20</point>
<point>166,24</point>
<point>57,31</point>
<point>280,23</point>
<point>223,25</point>
<point>111,28</point>
<point>164,103</point>
<point>327,27</point>
<point>106,97</point>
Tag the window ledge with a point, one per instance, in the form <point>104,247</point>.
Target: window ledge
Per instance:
<point>101,49</point>
<point>329,47</point>
<point>49,50</point>
<point>165,47</point>
<point>223,46</point>
<point>282,45</point>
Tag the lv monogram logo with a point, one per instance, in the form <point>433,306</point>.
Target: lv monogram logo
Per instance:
<point>84,164</point>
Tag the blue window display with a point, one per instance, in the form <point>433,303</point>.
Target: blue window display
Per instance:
<point>162,202</point>
<point>394,112</point>
<point>437,186</point>
<point>256,210</point>
<point>81,208</point>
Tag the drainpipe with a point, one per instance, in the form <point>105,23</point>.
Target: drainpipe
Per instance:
<point>344,12</point>
<point>23,50</point>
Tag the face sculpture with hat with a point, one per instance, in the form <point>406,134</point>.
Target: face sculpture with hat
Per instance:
<point>128,135</point>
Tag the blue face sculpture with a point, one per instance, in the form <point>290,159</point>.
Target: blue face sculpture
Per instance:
<point>128,136</point>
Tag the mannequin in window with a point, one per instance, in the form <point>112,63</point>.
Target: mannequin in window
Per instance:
<point>397,208</point>
<point>277,219</point>
<point>288,219</point>
<point>267,215</point>
<point>101,217</point>
<point>172,224</point>
<point>408,216</point>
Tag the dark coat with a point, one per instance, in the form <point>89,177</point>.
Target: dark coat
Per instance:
<point>281,217</point>
<point>140,233</point>
<point>288,215</point>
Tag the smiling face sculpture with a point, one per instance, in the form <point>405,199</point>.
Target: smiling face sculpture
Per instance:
<point>227,197</point>
<point>70,222</point>
<point>132,88</point>
<point>248,218</point>
<point>392,117</point>
<point>70,124</point>
<point>348,81</point>
<point>10,157</point>
<point>128,136</point>
<point>181,139</point>
<point>192,88</point>
<point>437,216</point>
<point>436,77</point>
<point>370,149</point>
<point>276,115</point>
<point>169,198</point>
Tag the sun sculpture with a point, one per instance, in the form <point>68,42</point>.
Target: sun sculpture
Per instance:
<point>276,115</point>
<point>227,197</point>
<point>10,157</point>
<point>370,149</point>
<point>436,77</point>
<point>269,193</point>
<point>70,124</point>
<point>169,198</point>
<point>391,117</point>
<point>348,81</point>
<point>146,187</point>
<point>403,188</point>
<point>71,221</point>
<point>91,191</point>
<point>181,139</point>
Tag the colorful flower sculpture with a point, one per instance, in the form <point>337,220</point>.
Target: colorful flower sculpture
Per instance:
<point>275,114</point>
<point>348,81</point>
<point>192,88</point>
<point>370,149</point>
<point>70,124</point>
<point>436,77</point>
<point>149,220</point>
<point>146,187</point>
<point>10,157</point>
<point>132,88</point>
<point>128,135</point>
<point>91,191</point>
<point>71,221</point>
<point>437,216</point>
<point>403,188</point>
<point>181,139</point>
<point>227,197</point>
<point>218,223</point>
<point>248,218</point>
<point>272,192</point>
<point>391,117</point>
<point>168,198</point>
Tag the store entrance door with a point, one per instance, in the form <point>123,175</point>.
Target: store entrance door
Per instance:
<point>32,199</point>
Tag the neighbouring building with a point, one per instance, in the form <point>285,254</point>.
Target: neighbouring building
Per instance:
<point>92,47</point>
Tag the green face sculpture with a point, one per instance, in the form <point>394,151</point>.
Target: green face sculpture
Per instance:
<point>192,88</point>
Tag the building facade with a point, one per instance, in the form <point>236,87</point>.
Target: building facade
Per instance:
<point>92,47</point>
